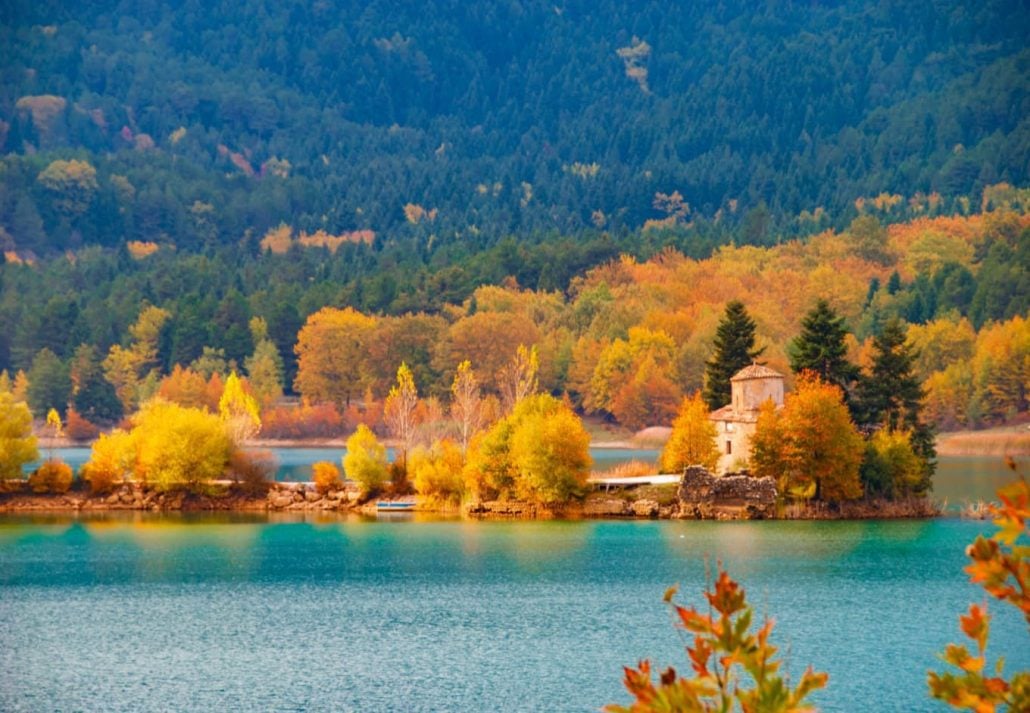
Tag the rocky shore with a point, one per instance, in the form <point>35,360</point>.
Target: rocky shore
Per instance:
<point>699,495</point>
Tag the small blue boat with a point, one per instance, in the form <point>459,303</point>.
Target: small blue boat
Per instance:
<point>395,505</point>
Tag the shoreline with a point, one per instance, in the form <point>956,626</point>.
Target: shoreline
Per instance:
<point>301,499</point>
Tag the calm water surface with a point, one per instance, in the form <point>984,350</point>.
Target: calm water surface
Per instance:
<point>142,613</point>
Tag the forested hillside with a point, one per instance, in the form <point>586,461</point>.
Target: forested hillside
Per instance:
<point>443,127</point>
<point>107,329</point>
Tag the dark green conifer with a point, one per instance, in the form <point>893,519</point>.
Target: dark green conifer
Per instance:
<point>734,349</point>
<point>820,347</point>
<point>890,396</point>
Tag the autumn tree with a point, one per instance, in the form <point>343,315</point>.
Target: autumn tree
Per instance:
<point>17,444</point>
<point>437,471</point>
<point>732,668</point>
<point>821,349</point>
<point>692,441</point>
<point>72,183</point>
<point>466,404</point>
<point>239,411</point>
<point>550,450</point>
<point>187,387</point>
<point>811,447</point>
<point>891,467</point>
<point>178,447</point>
<point>539,452</point>
<point>265,366</point>
<point>869,238</point>
<point>649,398</point>
<point>126,368</point>
<point>734,349</point>
<point>330,354</point>
<point>365,461</point>
<point>399,411</point>
<point>518,378</point>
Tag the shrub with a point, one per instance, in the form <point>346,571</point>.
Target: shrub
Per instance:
<point>253,471</point>
<point>111,460</point>
<point>79,428</point>
<point>326,476</point>
<point>53,476</point>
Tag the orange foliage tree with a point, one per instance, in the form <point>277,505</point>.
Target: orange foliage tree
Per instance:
<point>731,665</point>
<point>811,447</point>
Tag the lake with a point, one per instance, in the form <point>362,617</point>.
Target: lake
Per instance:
<point>147,613</point>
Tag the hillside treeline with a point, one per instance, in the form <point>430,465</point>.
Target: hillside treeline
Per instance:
<point>627,339</point>
<point>443,128</point>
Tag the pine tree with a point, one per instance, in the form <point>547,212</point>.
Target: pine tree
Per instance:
<point>820,347</point>
<point>734,349</point>
<point>890,396</point>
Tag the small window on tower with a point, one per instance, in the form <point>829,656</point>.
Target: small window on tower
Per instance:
<point>729,447</point>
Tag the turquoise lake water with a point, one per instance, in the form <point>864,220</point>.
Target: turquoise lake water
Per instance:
<point>139,612</point>
<point>142,613</point>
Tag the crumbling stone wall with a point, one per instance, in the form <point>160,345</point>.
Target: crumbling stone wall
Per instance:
<point>705,496</point>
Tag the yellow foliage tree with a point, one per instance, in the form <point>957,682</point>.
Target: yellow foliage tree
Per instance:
<point>179,447</point>
<point>518,378</point>
<point>330,353</point>
<point>550,450</point>
<point>399,410</point>
<point>437,471</point>
<point>17,444</point>
<point>466,403</point>
<point>239,411</point>
<point>112,460</point>
<point>693,438</point>
<point>365,462</point>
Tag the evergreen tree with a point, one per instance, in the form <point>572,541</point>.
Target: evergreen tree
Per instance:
<point>820,347</point>
<point>49,383</point>
<point>734,349</point>
<point>92,395</point>
<point>890,396</point>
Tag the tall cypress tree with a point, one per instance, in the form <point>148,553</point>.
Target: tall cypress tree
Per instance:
<point>820,347</point>
<point>734,349</point>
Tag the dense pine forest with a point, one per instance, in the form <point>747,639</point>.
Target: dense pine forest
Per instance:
<point>446,127</point>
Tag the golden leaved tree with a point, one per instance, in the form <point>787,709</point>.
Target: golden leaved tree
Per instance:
<point>693,438</point>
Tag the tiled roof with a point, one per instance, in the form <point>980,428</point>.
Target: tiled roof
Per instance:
<point>756,371</point>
